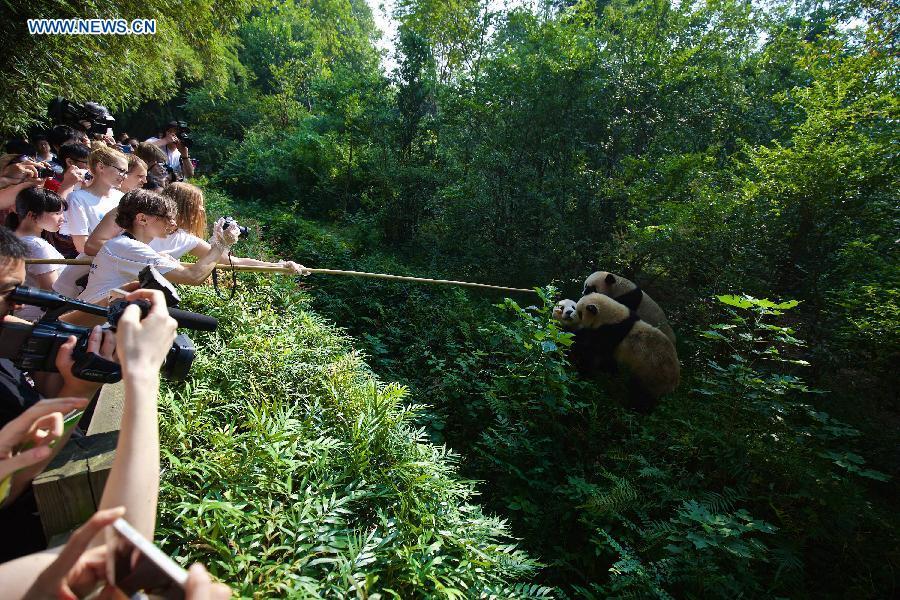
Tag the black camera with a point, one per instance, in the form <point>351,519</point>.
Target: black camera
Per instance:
<point>184,134</point>
<point>229,221</point>
<point>44,172</point>
<point>34,347</point>
<point>62,111</point>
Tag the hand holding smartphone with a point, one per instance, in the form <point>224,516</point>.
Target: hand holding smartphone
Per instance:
<point>138,568</point>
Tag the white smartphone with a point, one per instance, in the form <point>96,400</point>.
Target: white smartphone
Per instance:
<point>138,568</point>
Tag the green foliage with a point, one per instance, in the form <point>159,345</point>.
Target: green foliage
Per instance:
<point>194,41</point>
<point>739,484</point>
<point>292,472</point>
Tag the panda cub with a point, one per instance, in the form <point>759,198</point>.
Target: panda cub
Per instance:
<point>642,348</point>
<point>564,312</point>
<point>588,352</point>
<point>628,293</point>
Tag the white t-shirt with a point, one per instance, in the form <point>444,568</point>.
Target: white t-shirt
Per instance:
<point>118,262</point>
<point>87,210</point>
<point>38,247</point>
<point>66,282</point>
<point>173,156</point>
<point>176,245</point>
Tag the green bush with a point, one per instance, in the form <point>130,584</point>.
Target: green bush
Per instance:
<point>292,471</point>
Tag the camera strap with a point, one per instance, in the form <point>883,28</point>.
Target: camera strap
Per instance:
<point>215,279</point>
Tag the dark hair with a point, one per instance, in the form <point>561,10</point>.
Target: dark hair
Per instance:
<point>19,146</point>
<point>154,184</point>
<point>38,138</point>
<point>61,134</point>
<point>11,246</point>
<point>74,151</point>
<point>143,201</point>
<point>35,200</point>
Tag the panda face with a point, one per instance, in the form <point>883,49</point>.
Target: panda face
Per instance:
<point>600,282</point>
<point>595,310</point>
<point>565,313</point>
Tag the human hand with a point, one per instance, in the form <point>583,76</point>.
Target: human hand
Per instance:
<point>142,345</point>
<point>39,426</point>
<point>101,342</point>
<point>223,237</point>
<point>72,176</point>
<point>296,268</point>
<point>9,189</point>
<point>77,570</point>
<point>200,586</point>
<point>22,170</point>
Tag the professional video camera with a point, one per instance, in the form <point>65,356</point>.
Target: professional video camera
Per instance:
<point>34,347</point>
<point>66,112</point>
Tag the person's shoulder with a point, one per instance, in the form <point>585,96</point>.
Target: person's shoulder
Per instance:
<point>80,196</point>
<point>116,194</point>
<point>38,244</point>
<point>152,139</point>
<point>117,244</point>
<point>185,236</point>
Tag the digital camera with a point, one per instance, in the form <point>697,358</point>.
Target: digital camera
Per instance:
<point>229,221</point>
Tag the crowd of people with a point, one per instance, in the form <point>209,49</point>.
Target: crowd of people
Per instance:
<point>124,205</point>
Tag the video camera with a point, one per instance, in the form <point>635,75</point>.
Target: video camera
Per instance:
<point>34,347</point>
<point>184,134</point>
<point>66,112</point>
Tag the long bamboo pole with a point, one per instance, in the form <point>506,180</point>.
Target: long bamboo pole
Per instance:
<point>286,270</point>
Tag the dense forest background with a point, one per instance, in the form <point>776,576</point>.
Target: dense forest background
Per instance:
<point>738,160</point>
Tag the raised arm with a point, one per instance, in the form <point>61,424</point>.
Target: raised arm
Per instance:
<point>203,248</point>
<point>106,230</point>
<point>197,273</point>
<point>141,346</point>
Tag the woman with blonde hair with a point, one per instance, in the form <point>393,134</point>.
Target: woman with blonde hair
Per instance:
<point>137,174</point>
<point>89,205</point>
<point>187,237</point>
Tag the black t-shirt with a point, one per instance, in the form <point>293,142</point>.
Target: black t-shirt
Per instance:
<point>19,520</point>
<point>17,392</point>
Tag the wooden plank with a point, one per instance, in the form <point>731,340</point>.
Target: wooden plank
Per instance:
<point>108,412</point>
<point>69,490</point>
<point>100,460</point>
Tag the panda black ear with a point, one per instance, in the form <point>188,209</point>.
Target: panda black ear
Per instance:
<point>592,308</point>
<point>610,278</point>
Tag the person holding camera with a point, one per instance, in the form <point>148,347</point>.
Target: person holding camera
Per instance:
<point>176,151</point>
<point>88,205</point>
<point>19,391</point>
<point>145,216</point>
<point>132,489</point>
<point>188,237</point>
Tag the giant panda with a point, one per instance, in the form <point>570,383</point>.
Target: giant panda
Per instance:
<point>642,348</point>
<point>628,293</point>
<point>584,353</point>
